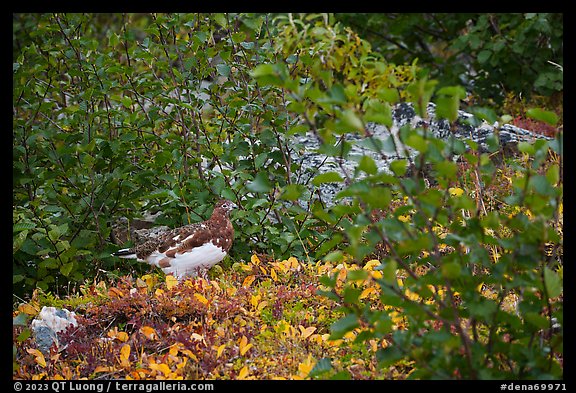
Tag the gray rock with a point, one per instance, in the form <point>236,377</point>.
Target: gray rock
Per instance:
<point>384,145</point>
<point>49,322</point>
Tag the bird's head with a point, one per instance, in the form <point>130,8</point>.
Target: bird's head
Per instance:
<point>225,205</point>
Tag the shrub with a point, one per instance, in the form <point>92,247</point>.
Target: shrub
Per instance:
<point>479,288</point>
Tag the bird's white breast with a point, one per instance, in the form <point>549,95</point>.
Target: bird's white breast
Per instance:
<point>190,262</point>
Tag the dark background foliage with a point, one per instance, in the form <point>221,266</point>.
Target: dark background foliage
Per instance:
<point>489,53</point>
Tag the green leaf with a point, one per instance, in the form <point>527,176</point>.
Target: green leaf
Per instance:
<point>357,275</point>
<point>399,167</point>
<point>21,226</point>
<point>16,278</point>
<point>350,119</point>
<point>388,269</point>
<point>260,183</point>
<point>536,319</point>
<point>342,326</point>
<point>66,268</point>
<point>388,356</point>
<point>389,95</point>
<point>263,70</point>
<point>553,283</point>
<point>223,69</point>
<point>447,169</point>
<point>483,56</point>
<point>292,192</point>
<point>322,366</point>
<point>484,113</point>
<point>18,240</point>
<point>542,115</point>
<point>447,108</point>
<point>417,142</point>
<point>221,19</point>
<point>328,177</point>
<point>368,165</point>
<point>126,101</point>
<point>553,174</point>
<point>451,270</point>
<point>526,147</point>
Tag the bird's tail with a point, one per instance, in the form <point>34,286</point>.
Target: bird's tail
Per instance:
<point>125,253</point>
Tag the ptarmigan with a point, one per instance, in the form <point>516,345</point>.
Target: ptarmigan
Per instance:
<point>191,249</point>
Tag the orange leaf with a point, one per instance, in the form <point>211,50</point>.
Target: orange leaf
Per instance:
<point>104,369</point>
<point>161,367</point>
<point>125,355</point>
<point>248,281</point>
<point>149,332</point>
<point>39,357</point>
<point>115,292</point>
<point>201,298</point>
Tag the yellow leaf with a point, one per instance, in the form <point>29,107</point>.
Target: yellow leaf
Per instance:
<point>243,373</point>
<point>148,332</point>
<point>273,274</point>
<point>158,292</point>
<point>171,281</point>
<point>244,346</point>
<point>306,366</point>
<point>254,299</point>
<point>371,264</point>
<point>405,218</point>
<point>248,281</point>
<point>293,263</point>
<point>261,305</point>
<point>104,369</point>
<point>255,260</point>
<point>220,350</point>
<point>367,292</point>
<point>39,357</point>
<point>29,309</point>
<point>455,191</point>
<point>306,332</point>
<point>201,298</point>
<point>263,270</point>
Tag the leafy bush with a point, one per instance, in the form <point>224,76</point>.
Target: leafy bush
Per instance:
<point>442,247</point>
<point>115,115</point>
<point>491,53</point>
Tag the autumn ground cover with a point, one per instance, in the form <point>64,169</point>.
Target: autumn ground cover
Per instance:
<point>258,320</point>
